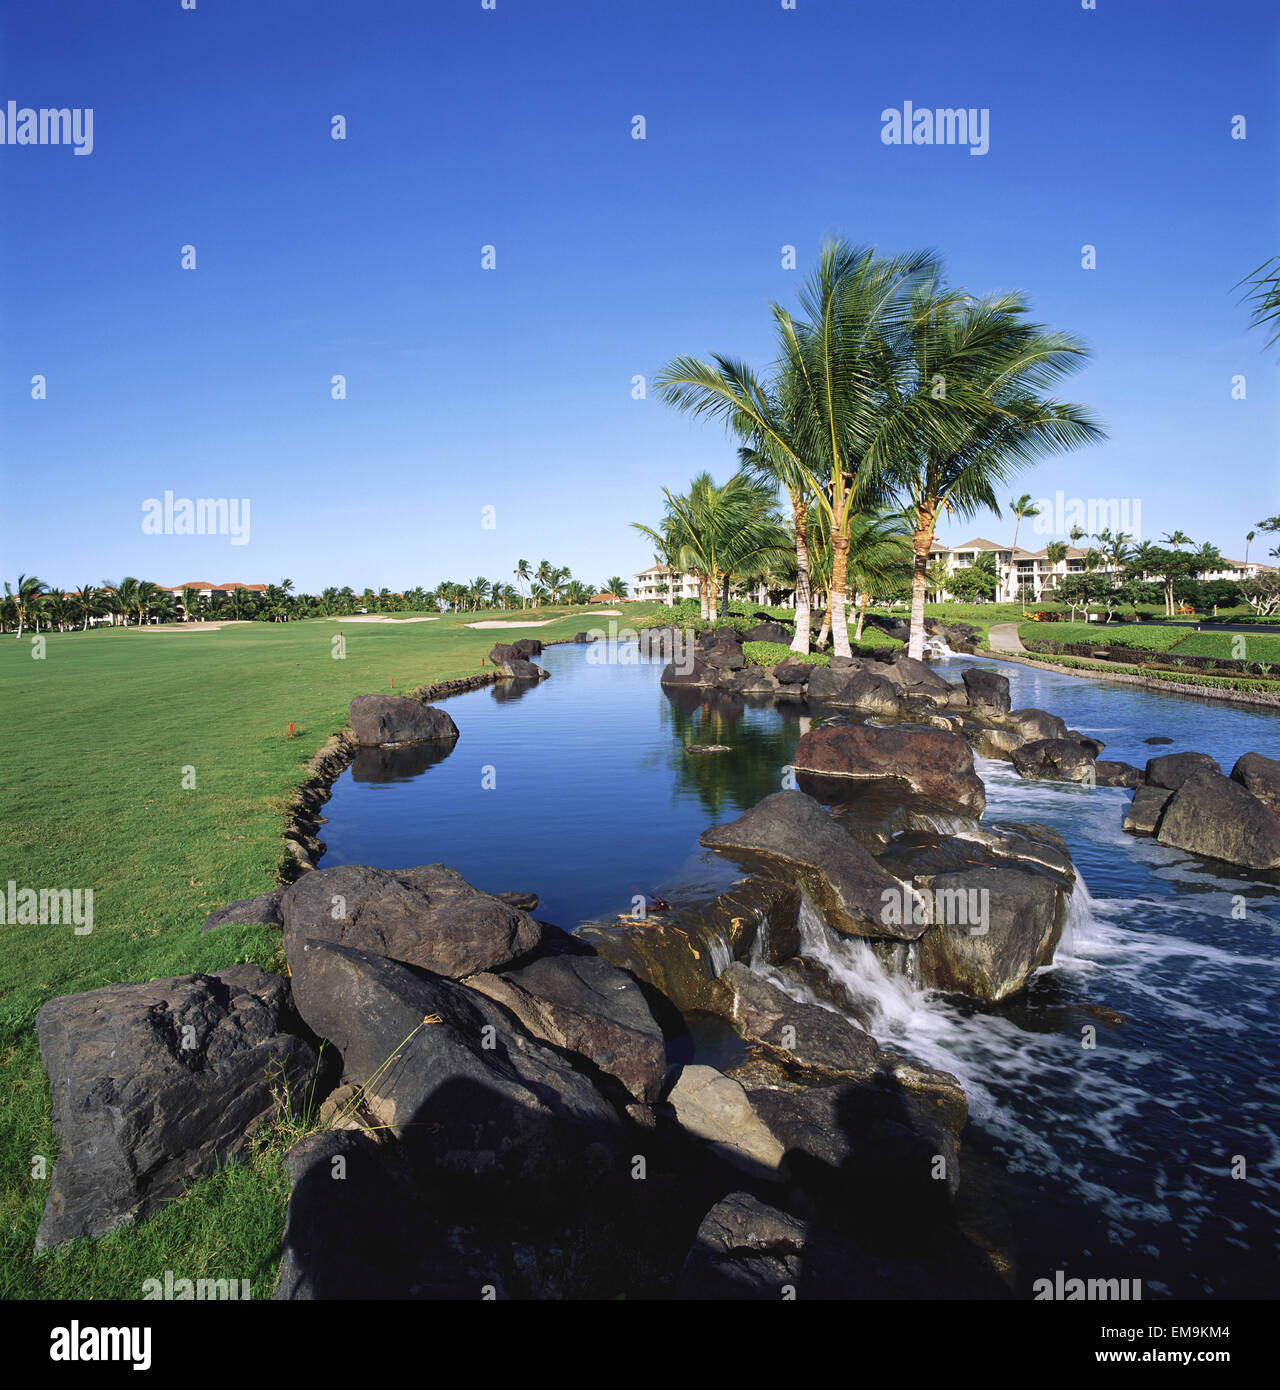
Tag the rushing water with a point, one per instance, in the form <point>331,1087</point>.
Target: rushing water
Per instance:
<point>580,790</point>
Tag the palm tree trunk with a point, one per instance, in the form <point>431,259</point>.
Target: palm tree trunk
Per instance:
<point>704,605</point>
<point>922,540</point>
<point>713,596</point>
<point>836,614</point>
<point>804,597</point>
<point>724,594</point>
<point>1013,564</point>
<point>862,614</point>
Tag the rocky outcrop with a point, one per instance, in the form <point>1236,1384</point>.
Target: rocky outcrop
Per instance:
<point>1259,776</point>
<point>1211,815</point>
<point>862,690</point>
<point>1113,774</point>
<point>928,761</point>
<point>1055,760</point>
<point>580,1002</point>
<point>794,828</point>
<point>1145,810</point>
<point>988,691</point>
<point>469,1095</point>
<point>1173,769</point>
<point>377,720</point>
<point>263,910</point>
<point>155,1085</point>
<point>428,916</point>
<point>769,632</point>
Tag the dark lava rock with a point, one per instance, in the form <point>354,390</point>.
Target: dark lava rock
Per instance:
<point>1173,769</point>
<point>155,1085</point>
<point>1145,810</point>
<point>1111,774</point>
<point>794,828</point>
<point>860,690</point>
<point>379,719</point>
<point>428,916</point>
<point>1157,739</point>
<point>468,1093</point>
<point>791,672</point>
<point>586,1005</point>
<point>1032,724</point>
<point>769,632</point>
<point>1054,760</point>
<point>260,911</point>
<point>988,690</point>
<point>1211,815</point>
<point>930,761</point>
<point>1259,775</point>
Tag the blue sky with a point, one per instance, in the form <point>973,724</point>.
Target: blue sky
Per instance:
<point>512,388</point>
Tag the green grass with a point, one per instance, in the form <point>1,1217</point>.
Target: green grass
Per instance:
<point>1188,677</point>
<point>98,735</point>
<point>770,653</point>
<point>1244,646</point>
<point>1140,637</point>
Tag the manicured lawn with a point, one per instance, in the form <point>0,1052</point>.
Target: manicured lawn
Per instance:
<point>100,736</point>
<point>1142,637</point>
<point>1245,646</point>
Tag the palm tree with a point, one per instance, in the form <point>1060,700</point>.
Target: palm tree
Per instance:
<point>1177,538</point>
<point>128,591</point>
<point>721,531</point>
<point>88,603</point>
<point>616,585</point>
<point>1248,541</point>
<point>1076,533</point>
<point>1264,283</point>
<point>190,598</point>
<point>1022,506</point>
<point>523,573</point>
<point>1055,552</point>
<point>818,422</point>
<point>145,597</point>
<point>951,452</point>
<point>238,600</point>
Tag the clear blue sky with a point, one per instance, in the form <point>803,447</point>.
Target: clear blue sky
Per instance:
<point>512,388</point>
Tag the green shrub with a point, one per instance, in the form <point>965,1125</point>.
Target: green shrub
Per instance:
<point>770,653</point>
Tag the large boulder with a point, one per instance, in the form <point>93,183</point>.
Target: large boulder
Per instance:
<point>580,1002</point>
<point>807,1035</point>
<point>715,1108</point>
<point>788,826</point>
<point>470,1096</point>
<point>915,677</point>
<point>863,691</point>
<point>1211,815</point>
<point>930,761</point>
<point>1032,724</point>
<point>155,1085</point>
<point>988,690</point>
<point>1002,925</point>
<point>1113,774</point>
<point>428,916</point>
<point>382,719</point>
<point>789,671</point>
<point>263,911</point>
<point>723,657</point>
<point>1145,810</point>
<point>1055,760</point>
<point>1173,769</point>
<point>1259,775</point>
<point>769,632</point>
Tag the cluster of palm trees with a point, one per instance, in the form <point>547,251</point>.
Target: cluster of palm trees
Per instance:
<point>30,604</point>
<point>891,395</point>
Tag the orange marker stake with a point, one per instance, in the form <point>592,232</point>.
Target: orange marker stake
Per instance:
<point>291,728</point>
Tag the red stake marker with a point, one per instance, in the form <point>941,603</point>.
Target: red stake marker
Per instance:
<point>393,682</point>
<point>291,728</point>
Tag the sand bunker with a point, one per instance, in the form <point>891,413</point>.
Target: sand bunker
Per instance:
<point>381,618</point>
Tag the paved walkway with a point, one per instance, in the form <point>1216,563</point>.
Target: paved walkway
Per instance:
<point>1003,637</point>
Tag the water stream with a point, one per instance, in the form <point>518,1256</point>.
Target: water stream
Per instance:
<point>1172,962</point>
